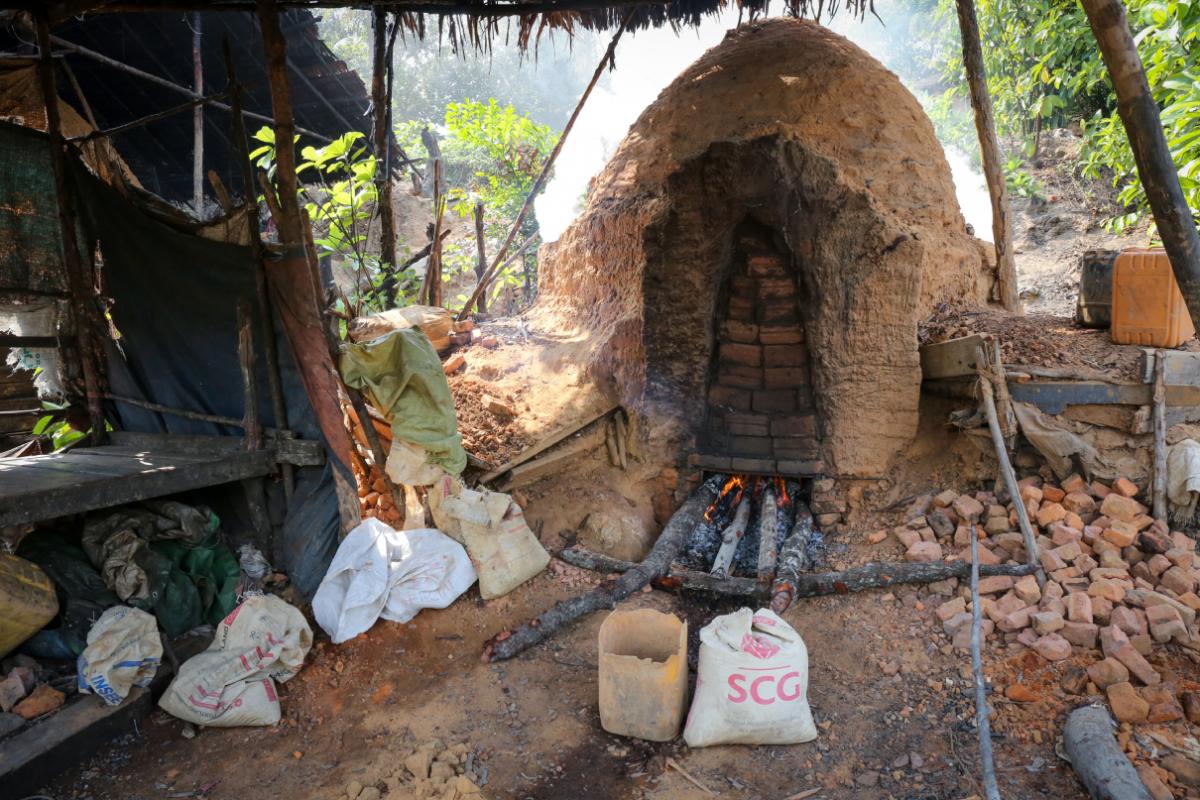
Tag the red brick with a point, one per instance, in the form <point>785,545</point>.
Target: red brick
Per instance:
<point>794,425</point>
<point>746,355</point>
<point>734,331</point>
<point>750,445</point>
<point>729,397</point>
<point>784,355</point>
<point>766,466</point>
<point>780,334</point>
<point>796,448</point>
<point>743,287</point>
<point>730,375</point>
<point>747,424</point>
<point>776,289</point>
<point>783,377</point>
<point>765,266</point>
<point>774,400</point>
<point>740,309</point>
<point>787,467</point>
<point>778,312</point>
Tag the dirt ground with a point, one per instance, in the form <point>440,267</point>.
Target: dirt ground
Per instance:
<point>892,700</point>
<point>1053,229</point>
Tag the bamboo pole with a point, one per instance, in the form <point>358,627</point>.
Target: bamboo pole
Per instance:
<point>982,723</point>
<point>265,312</point>
<point>989,149</point>
<point>80,282</point>
<point>381,103</point>
<point>1139,113</point>
<point>1160,436</point>
<point>79,50</point>
<point>605,61</point>
<point>198,116</point>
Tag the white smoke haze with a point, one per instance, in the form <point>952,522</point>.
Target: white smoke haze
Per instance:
<point>647,61</point>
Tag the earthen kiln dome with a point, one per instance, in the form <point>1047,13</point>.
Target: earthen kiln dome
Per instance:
<point>787,137</point>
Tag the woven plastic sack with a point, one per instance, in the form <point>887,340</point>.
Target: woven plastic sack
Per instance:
<point>752,683</point>
<point>382,572</point>
<point>233,682</point>
<point>123,650</point>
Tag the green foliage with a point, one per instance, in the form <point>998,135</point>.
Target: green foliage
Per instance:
<point>507,150</point>
<point>59,430</point>
<point>339,193</point>
<point>1020,182</point>
<point>1044,70</point>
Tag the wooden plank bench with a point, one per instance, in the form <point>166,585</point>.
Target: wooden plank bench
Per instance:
<point>134,467</point>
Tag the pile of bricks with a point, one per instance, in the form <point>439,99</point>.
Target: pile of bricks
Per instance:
<point>1119,583</point>
<point>760,415</point>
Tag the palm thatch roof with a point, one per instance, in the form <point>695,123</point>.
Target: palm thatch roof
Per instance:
<point>478,23</point>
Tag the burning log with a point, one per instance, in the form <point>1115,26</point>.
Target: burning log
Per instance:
<point>793,560</point>
<point>768,530</point>
<point>877,575</point>
<point>731,537</point>
<point>507,644</point>
<point>677,577</point>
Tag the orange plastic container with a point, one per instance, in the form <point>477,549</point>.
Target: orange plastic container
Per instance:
<point>1147,307</point>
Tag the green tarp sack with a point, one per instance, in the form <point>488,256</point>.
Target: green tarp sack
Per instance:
<point>402,375</point>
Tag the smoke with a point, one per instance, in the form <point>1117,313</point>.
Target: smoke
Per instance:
<point>650,59</point>
<point>647,61</point>
<point>971,188</point>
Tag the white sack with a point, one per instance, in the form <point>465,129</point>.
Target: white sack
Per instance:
<point>381,572</point>
<point>232,683</point>
<point>752,683</point>
<point>123,650</point>
<point>1183,478</point>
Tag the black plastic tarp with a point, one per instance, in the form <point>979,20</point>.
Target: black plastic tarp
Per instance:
<point>175,297</point>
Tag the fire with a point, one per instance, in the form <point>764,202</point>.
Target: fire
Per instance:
<point>781,495</point>
<point>738,483</point>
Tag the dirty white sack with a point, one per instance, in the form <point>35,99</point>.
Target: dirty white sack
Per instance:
<point>123,650</point>
<point>752,683</point>
<point>492,527</point>
<point>382,572</point>
<point>232,683</point>
<point>1183,478</point>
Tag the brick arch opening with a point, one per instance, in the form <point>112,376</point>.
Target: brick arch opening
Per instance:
<point>759,403</point>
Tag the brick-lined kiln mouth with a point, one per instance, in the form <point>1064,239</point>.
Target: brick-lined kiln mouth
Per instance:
<point>760,416</point>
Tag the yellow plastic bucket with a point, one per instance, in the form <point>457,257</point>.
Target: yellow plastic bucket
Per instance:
<point>27,601</point>
<point>643,674</point>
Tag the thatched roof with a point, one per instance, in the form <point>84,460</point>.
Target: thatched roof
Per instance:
<point>479,23</point>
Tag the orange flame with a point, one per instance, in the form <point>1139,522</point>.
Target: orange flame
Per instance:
<point>737,482</point>
<point>781,495</point>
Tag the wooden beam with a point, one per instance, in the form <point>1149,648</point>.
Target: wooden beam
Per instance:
<point>250,421</point>
<point>989,149</point>
<point>1139,113</point>
<point>81,282</point>
<point>952,358</point>
<point>249,193</point>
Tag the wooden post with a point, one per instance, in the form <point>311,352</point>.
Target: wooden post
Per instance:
<point>1139,113</point>
<point>249,193</point>
<point>481,248</point>
<point>197,118</point>
<point>290,278</point>
<point>81,284</point>
<point>381,101</point>
<point>432,293</point>
<point>989,149</point>
<point>250,421</point>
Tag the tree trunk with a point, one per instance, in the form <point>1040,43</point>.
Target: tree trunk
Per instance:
<point>381,102</point>
<point>481,253</point>
<point>1139,113</point>
<point>989,149</point>
<point>1097,758</point>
